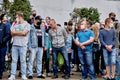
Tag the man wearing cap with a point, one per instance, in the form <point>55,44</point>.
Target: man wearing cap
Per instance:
<point>36,44</point>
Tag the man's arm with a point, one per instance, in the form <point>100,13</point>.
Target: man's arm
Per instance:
<point>19,33</point>
<point>88,41</point>
<point>101,40</point>
<point>114,39</point>
<point>7,33</point>
<point>65,34</point>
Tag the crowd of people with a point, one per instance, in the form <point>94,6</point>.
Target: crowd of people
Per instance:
<point>95,46</point>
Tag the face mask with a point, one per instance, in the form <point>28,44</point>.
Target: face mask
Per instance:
<point>111,25</point>
<point>38,23</point>
<point>34,15</point>
<point>82,27</point>
<point>113,18</point>
<point>5,18</point>
<point>17,19</point>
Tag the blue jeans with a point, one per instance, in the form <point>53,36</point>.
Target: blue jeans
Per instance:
<point>38,54</point>
<point>16,52</point>
<point>86,60</point>
<point>2,59</point>
<point>117,62</point>
<point>109,57</point>
<point>54,59</point>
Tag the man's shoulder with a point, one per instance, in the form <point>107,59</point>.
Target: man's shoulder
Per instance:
<point>89,30</point>
<point>2,25</point>
<point>102,30</point>
<point>50,31</point>
<point>27,23</point>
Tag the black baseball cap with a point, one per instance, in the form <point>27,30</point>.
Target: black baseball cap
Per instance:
<point>38,18</point>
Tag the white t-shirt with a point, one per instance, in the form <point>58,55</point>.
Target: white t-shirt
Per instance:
<point>21,40</point>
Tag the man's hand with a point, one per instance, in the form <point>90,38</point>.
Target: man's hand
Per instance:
<point>50,51</point>
<point>30,50</point>
<point>81,44</point>
<point>83,47</point>
<point>44,48</point>
<point>12,32</point>
<point>109,48</point>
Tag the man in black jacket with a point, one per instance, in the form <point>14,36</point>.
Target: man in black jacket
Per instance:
<point>4,38</point>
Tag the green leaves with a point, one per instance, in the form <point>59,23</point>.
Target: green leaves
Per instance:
<point>10,8</point>
<point>21,5</point>
<point>89,13</point>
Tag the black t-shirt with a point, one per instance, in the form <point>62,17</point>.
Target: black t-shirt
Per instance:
<point>39,35</point>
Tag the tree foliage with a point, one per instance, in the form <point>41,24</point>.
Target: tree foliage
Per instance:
<point>88,13</point>
<point>20,5</point>
<point>17,5</point>
<point>5,7</point>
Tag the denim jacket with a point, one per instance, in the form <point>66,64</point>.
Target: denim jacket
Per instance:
<point>68,43</point>
<point>33,39</point>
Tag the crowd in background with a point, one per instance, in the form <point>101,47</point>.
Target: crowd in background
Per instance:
<point>94,48</point>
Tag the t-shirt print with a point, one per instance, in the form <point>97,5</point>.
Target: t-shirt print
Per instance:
<point>39,32</point>
<point>19,27</point>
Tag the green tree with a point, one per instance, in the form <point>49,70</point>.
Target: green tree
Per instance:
<point>5,7</point>
<point>20,5</point>
<point>88,13</point>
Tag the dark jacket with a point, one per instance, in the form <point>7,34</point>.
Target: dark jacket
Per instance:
<point>4,34</point>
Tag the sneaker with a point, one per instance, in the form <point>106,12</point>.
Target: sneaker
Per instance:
<point>19,75</point>
<point>30,77</point>
<point>82,79</point>
<point>12,77</point>
<point>113,79</point>
<point>0,77</point>
<point>54,77</point>
<point>48,74</point>
<point>66,77</point>
<point>24,77</point>
<point>41,76</point>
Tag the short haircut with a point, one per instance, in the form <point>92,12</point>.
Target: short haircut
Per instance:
<point>70,23</point>
<point>107,20</point>
<point>33,10</point>
<point>48,17</point>
<point>112,14</point>
<point>53,20</point>
<point>20,13</point>
<point>80,21</point>
<point>2,16</point>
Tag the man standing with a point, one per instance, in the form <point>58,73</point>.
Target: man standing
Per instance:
<point>19,33</point>
<point>58,37</point>
<point>47,24</point>
<point>36,44</point>
<point>84,40</point>
<point>32,17</point>
<point>4,38</point>
<point>108,41</point>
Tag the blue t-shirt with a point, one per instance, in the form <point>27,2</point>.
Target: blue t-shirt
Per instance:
<point>84,36</point>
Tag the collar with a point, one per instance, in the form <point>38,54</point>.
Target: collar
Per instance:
<point>84,30</point>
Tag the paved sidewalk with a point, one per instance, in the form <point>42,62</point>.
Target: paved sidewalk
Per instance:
<point>75,76</point>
